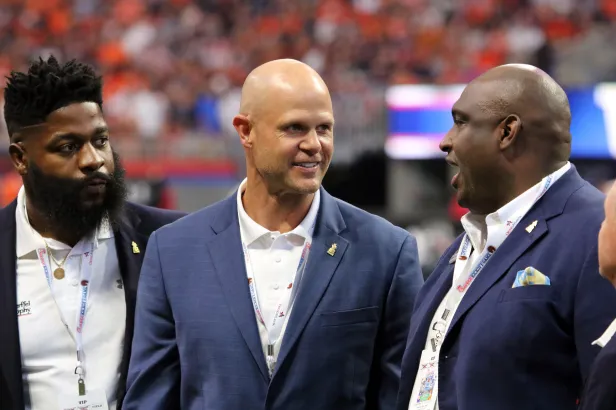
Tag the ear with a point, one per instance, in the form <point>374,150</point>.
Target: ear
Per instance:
<point>509,129</point>
<point>19,157</point>
<point>243,126</point>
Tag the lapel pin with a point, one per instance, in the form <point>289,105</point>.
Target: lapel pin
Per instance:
<point>332,249</point>
<point>530,227</point>
<point>135,247</point>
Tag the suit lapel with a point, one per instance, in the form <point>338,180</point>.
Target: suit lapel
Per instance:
<point>514,246</point>
<point>420,321</point>
<point>227,256</point>
<point>422,317</point>
<point>129,260</point>
<point>511,249</point>
<point>129,257</point>
<point>319,271</point>
<point>10,352</point>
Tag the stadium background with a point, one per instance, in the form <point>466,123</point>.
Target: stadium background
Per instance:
<point>173,71</point>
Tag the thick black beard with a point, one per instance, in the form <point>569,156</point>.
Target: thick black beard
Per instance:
<point>60,200</point>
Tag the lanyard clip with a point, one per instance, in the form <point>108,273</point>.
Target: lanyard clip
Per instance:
<point>81,385</point>
<point>271,361</point>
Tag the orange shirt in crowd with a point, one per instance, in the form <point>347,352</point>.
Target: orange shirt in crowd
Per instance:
<point>10,184</point>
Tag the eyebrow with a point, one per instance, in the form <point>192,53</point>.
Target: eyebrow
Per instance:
<point>74,136</point>
<point>455,112</point>
<point>303,122</point>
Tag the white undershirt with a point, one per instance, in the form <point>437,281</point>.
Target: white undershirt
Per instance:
<point>48,351</point>
<point>478,229</point>
<point>275,258</point>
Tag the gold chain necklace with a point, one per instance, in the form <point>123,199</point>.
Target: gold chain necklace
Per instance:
<point>58,273</point>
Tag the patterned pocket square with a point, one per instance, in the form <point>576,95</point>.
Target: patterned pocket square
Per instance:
<point>530,276</point>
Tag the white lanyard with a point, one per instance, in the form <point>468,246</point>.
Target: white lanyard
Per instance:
<point>424,395</point>
<point>87,259</point>
<point>464,275</point>
<point>285,303</point>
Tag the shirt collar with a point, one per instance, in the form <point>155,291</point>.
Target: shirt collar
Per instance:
<point>607,335</point>
<point>251,231</point>
<point>29,240</point>
<point>476,226</point>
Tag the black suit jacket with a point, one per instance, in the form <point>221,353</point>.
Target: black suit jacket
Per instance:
<point>600,388</point>
<point>136,225</point>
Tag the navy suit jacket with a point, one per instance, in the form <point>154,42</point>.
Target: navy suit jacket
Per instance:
<point>527,347</point>
<point>600,388</point>
<point>136,224</point>
<point>197,344</point>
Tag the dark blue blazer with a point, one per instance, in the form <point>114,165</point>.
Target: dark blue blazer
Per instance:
<point>197,345</point>
<point>528,347</point>
<point>600,388</point>
<point>136,224</point>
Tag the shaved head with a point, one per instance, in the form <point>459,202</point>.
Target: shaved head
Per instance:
<point>511,129</point>
<point>539,101</point>
<point>286,125</point>
<point>266,83</point>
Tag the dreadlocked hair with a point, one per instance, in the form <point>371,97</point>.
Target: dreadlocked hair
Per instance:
<point>48,85</point>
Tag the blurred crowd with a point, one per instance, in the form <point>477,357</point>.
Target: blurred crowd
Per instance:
<point>172,67</point>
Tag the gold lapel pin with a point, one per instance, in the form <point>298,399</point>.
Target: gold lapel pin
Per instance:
<point>332,249</point>
<point>135,247</point>
<point>530,227</point>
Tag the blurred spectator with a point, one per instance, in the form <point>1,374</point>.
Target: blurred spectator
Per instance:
<point>168,63</point>
<point>433,238</point>
<point>10,183</point>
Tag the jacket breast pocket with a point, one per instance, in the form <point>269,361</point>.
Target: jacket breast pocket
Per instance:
<point>525,319</point>
<point>528,293</point>
<point>350,317</point>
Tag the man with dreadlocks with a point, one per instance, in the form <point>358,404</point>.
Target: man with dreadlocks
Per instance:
<point>71,246</point>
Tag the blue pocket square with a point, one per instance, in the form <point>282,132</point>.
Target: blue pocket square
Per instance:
<point>530,276</point>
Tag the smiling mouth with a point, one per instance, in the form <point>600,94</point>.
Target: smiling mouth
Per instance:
<point>306,165</point>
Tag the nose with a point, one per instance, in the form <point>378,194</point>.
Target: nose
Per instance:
<point>90,159</point>
<point>445,144</point>
<point>311,143</point>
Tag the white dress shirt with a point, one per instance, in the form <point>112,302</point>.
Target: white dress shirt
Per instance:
<point>606,336</point>
<point>478,228</point>
<point>48,349</point>
<point>274,259</point>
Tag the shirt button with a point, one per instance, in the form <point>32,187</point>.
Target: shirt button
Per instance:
<point>74,282</point>
<point>276,287</point>
<point>278,259</point>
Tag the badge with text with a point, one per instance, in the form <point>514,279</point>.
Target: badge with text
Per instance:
<point>93,400</point>
<point>425,389</point>
<point>24,308</point>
